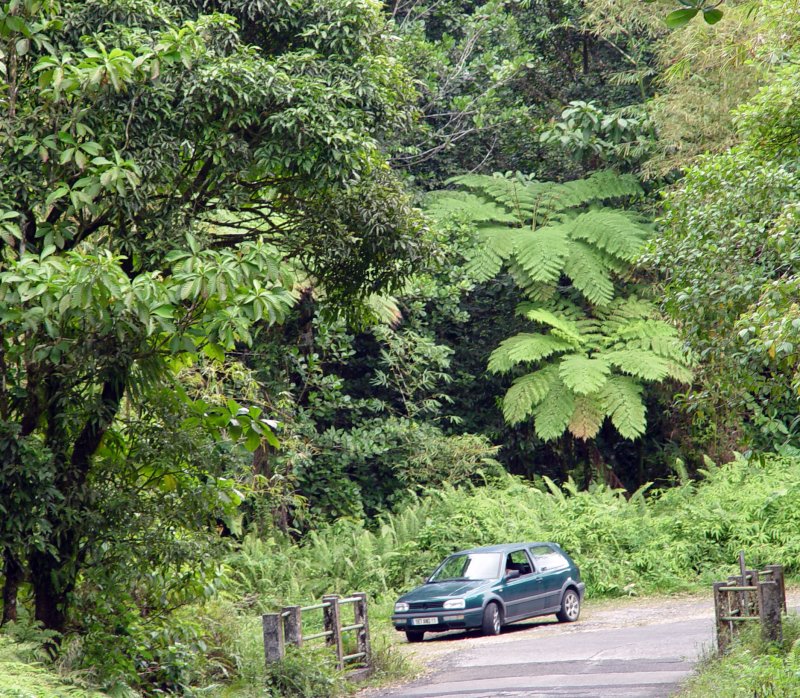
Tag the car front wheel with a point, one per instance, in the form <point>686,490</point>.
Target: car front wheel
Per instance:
<point>415,635</point>
<point>492,620</point>
<point>570,607</point>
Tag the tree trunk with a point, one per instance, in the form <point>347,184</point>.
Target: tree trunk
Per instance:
<point>54,573</point>
<point>13,574</point>
<point>50,589</point>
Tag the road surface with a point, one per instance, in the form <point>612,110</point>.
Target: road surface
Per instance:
<point>633,649</point>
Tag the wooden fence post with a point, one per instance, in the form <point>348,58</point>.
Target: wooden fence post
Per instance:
<point>333,623</point>
<point>723,627</point>
<point>769,608</point>
<point>361,616</point>
<point>292,626</point>
<point>274,649</point>
<point>777,576</point>
<point>752,603</point>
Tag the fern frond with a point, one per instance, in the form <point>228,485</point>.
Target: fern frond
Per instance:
<point>560,325</point>
<point>600,186</point>
<point>448,204</point>
<point>527,392</point>
<point>589,274</point>
<point>680,372</point>
<point>494,245</point>
<point>526,347</point>
<point>535,291</point>
<point>621,399</point>
<point>541,253</point>
<point>631,308</point>
<point>583,375</point>
<point>553,414</point>
<point>612,231</point>
<point>640,363</point>
<point>587,418</point>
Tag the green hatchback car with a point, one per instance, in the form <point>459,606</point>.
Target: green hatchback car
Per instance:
<point>489,587</point>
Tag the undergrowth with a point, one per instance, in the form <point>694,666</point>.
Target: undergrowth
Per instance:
<point>752,668</point>
<point>24,675</point>
<point>656,541</point>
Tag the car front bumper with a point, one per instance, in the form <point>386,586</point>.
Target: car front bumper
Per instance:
<point>445,620</point>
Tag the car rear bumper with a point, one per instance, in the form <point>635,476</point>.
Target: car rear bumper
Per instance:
<point>445,620</point>
<point>581,590</point>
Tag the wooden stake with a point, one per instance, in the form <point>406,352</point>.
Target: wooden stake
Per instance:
<point>274,649</point>
<point>333,623</point>
<point>360,615</point>
<point>292,626</point>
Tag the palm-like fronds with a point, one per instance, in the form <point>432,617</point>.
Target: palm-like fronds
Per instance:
<point>570,252</point>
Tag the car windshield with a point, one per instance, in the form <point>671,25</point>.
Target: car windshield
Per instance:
<point>468,566</point>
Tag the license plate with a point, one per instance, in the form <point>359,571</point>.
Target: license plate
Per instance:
<point>424,621</point>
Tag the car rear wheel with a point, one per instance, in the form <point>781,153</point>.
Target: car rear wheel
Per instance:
<point>492,620</point>
<point>570,607</point>
<point>415,635</point>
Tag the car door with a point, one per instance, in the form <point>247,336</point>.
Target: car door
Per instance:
<point>521,593</point>
<point>553,569</point>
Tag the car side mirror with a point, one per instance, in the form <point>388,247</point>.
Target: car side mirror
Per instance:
<point>512,574</point>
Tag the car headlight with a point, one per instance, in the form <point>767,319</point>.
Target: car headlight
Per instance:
<point>400,607</point>
<point>455,603</point>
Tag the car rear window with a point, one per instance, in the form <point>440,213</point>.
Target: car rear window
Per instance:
<point>546,559</point>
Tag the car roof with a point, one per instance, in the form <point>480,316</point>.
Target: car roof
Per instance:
<point>504,547</point>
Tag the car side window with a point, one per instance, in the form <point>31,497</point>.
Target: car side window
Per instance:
<point>547,560</point>
<point>519,561</point>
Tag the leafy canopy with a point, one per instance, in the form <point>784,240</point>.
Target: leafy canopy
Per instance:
<point>594,342</point>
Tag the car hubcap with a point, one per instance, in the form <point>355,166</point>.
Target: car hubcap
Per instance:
<point>496,622</point>
<point>571,606</point>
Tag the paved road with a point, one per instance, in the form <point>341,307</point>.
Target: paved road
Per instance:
<point>642,650</point>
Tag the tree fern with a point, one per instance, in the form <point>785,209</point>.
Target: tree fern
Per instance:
<point>542,253</point>
<point>589,274</point>
<point>571,254</point>
<point>527,393</point>
<point>526,348</point>
<point>587,417</point>
<point>622,401</point>
<point>553,414</point>
<point>584,375</point>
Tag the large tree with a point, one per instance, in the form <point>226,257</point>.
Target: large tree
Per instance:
<point>163,165</point>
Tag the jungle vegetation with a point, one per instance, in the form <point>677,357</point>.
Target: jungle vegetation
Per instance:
<point>287,287</point>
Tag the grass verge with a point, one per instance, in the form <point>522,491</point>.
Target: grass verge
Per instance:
<point>753,668</point>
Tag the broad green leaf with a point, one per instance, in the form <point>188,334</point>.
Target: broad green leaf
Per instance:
<point>678,18</point>
<point>621,398</point>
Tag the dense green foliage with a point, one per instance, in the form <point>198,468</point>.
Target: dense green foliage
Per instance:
<point>661,541</point>
<point>570,255</point>
<point>239,367</point>
<point>163,173</point>
<point>728,255</point>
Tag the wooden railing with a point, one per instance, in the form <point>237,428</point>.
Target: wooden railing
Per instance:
<point>286,628</point>
<point>753,595</point>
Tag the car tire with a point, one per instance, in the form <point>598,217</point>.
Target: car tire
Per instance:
<point>415,635</point>
<point>492,619</point>
<point>570,606</point>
